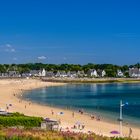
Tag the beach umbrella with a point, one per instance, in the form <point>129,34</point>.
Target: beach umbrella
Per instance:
<point>114,132</point>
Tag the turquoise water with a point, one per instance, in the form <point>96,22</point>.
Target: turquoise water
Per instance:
<point>100,99</point>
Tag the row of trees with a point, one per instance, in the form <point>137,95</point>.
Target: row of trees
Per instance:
<point>110,69</point>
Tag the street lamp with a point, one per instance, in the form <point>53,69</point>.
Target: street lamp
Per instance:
<point>121,118</point>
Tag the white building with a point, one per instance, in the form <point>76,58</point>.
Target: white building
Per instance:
<point>72,74</point>
<point>61,74</point>
<point>103,73</point>
<point>134,72</point>
<point>120,73</point>
<point>92,73</point>
<point>42,73</point>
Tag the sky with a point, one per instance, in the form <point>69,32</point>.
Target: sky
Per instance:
<point>70,31</point>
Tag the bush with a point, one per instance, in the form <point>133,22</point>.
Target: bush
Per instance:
<point>20,120</point>
<point>17,114</point>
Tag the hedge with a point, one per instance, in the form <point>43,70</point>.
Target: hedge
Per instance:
<point>25,121</point>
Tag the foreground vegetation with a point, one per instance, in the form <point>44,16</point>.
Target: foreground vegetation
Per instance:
<point>17,119</point>
<point>34,134</point>
<point>10,129</point>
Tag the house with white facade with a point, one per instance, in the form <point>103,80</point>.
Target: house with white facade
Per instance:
<point>26,74</point>
<point>42,73</point>
<point>134,72</point>
<point>50,74</point>
<point>61,74</point>
<point>81,74</point>
<point>37,73</point>
<point>120,73</point>
<point>72,74</point>
<point>33,73</point>
<point>92,73</point>
<point>4,74</point>
<point>103,73</point>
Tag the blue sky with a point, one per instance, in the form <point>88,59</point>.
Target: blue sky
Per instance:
<point>70,31</point>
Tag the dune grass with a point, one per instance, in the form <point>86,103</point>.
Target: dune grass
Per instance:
<point>37,134</point>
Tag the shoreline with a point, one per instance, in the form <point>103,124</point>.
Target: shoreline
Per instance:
<point>92,80</point>
<point>18,87</point>
<point>103,118</point>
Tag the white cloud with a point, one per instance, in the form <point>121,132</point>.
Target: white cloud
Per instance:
<point>41,57</point>
<point>9,48</point>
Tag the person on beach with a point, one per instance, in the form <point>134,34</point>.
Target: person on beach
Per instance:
<point>74,126</point>
<point>52,112</point>
<point>92,117</point>
<point>59,121</point>
<point>73,114</point>
<point>60,129</point>
<point>82,112</point>
<point>78,126</point>
<point>98,118</point>
<point>25,106</point>
<point>83,126</point>
<point>7,107</point>
<point>130,132</point>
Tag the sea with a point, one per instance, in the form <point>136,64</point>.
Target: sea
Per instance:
<point>96,99</point>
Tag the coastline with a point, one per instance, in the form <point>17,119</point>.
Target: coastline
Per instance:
<point>105,115</point>
<point>92,80</point>
<point>9,87</point>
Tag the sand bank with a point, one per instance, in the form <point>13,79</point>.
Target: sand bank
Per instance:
<point>10,89</point>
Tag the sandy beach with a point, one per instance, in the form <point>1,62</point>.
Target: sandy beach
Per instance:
<point>10,89</point>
